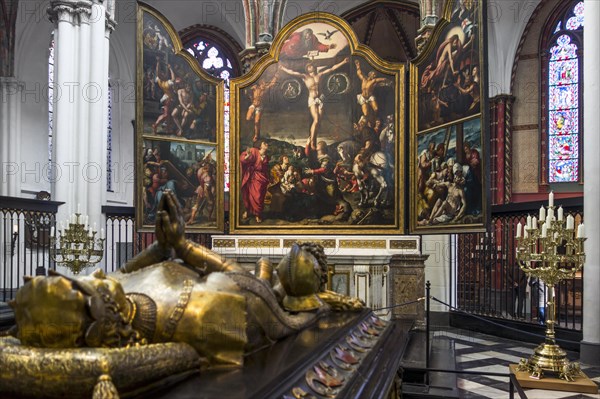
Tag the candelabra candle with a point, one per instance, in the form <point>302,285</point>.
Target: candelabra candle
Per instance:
<point>560,214</point>
<point>570,222</point>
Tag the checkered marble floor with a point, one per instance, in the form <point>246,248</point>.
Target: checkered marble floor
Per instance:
<point>481,352</point>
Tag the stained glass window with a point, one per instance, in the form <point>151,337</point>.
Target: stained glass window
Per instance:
<point>564,78</point>
<point>576,20</point>
<point>214,61</point>
<point>558,26</point>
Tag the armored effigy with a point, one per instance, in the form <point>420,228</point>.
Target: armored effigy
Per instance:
<point>174,309</point>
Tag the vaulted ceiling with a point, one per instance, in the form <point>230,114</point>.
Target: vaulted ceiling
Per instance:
<point>388,27</point>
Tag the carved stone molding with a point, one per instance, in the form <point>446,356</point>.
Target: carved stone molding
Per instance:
<point>370,244</point>
<point>251,55</point>
<point>323,243</point>
<point>423,37</point>
<point>407,284</point>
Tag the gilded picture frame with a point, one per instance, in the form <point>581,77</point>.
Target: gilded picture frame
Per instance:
<point>178,129</point>
<point>449,142</point>
<point>317,129</point>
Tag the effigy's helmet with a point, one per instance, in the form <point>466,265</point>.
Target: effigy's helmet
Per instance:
<point>300,276</point>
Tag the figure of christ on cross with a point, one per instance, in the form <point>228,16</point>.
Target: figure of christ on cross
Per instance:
<point>311,79</point>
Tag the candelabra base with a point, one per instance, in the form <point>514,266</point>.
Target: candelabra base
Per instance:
<point>552,359</point>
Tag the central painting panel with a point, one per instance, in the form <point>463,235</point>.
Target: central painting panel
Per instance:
<point>316,130</point>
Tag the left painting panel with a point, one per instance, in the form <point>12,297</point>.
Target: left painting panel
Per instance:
<point>179,134</point>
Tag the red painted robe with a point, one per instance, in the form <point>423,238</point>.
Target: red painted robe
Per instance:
<point>298,46</point>
<point>255,179</point>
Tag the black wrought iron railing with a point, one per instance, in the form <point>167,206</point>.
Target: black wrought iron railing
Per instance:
<point>25,226</point>
<point>123,241</point>
<point>490,282</point>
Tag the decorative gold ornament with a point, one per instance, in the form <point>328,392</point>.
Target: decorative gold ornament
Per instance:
<point>76,245</point>
<point>403,244</point>
<point>363,244</point>
<point>550,252</point>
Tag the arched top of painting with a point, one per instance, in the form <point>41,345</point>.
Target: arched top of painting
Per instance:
<point>159,37</point>
<point>321,39</point>
<point>459,24</point>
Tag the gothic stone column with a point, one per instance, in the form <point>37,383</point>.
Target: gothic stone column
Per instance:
<point>407,283</point>
<point>10,142</point>
<point>81,92</point>
<point>590,345</point>
<point>431,11</point>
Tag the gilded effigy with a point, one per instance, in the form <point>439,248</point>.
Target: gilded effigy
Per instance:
<point>158,317</point>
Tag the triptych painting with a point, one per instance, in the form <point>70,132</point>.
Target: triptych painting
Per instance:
<point>318,132</point>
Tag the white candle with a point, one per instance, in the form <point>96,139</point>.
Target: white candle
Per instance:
<point>528,221</point>
<point>580,231</point>
<point>534,223</point>
<point>525,235</point>
<point>570,222</point>
<point>544,230</point>
<point>548,220</point>
<point>52,231</point>
<point>551,199</point>
<point>519,227</point>
<point>542,213</point>
<point>551,213</point>
<point>79,208</point>
<point>102,233</point>
<point>561,214</point>
<point>90,233</point>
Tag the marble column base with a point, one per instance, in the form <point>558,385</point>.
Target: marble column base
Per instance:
<point>590,353</point>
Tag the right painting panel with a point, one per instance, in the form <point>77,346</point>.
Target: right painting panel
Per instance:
<point>448,135</point>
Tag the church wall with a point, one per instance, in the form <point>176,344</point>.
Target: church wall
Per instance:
<point>526,116</point>
<point>224,14</point>
<point>525,129</point>
<point>437,268</point>
<point>295,8</point>
<point>122,80</point>
<point>506,21</point>
<point>33,35</point>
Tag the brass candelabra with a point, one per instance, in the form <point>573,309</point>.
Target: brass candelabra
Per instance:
<point>76,245</point>
<point>551,252</point>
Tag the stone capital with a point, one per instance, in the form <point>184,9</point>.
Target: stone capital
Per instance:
<point>251,55</point>
<point>71,11</point>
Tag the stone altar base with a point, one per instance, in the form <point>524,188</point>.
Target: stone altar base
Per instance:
<point>300,362</point>
<point>383,271</point>
<point>581,384</point>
